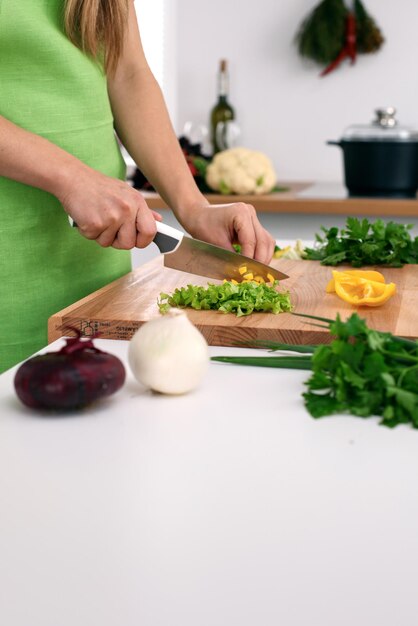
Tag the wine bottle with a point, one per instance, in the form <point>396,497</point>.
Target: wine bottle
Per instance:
<point>222,113</point>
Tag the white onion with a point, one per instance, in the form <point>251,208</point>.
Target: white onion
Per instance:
<point>168,354</point>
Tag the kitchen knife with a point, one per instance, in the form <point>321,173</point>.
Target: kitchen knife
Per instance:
<point>204,259</point>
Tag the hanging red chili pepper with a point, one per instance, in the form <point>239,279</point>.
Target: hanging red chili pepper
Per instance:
<point>349,50</point>
<point>332,33</point>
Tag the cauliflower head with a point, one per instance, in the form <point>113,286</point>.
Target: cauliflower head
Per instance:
<point>241,171</point>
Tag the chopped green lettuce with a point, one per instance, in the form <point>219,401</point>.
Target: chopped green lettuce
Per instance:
<point>241,299</point>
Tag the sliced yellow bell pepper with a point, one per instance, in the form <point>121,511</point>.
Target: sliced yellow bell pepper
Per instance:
<point>279,253</point>
<point>367,274</point>
<point>361,288</point>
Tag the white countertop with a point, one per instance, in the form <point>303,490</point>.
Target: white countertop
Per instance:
<point>230,506</point>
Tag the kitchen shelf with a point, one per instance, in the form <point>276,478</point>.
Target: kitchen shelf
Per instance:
<point>291,202</point>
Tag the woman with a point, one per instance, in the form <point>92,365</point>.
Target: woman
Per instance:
<point>71,73</point>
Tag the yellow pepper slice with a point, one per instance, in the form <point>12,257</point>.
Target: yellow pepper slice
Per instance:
<point>355,287</point>
<point>279,253</point>
<point>367,274</point>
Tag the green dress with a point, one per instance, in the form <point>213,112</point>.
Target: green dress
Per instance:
<point>48,86</point>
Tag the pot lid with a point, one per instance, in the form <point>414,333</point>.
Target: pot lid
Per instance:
<point>385,127</point>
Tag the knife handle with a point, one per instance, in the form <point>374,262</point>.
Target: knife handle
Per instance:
<point>167,237</point>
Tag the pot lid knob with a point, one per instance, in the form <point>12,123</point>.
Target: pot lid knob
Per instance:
<point>385,117</point>
<point>385,127</point>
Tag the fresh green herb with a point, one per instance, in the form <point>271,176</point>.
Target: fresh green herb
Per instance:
<point>241,299</point>
<point>364,243</point>
<point>279,189</point>
<point>283,362</point>
<point>362,371</point>
<point>201,165</point>
<point>275,346</point>
<point>224,188</point>
<point>237,247</point>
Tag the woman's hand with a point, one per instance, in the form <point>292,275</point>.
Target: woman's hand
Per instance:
<point>225,224</point>
<point>108,210</point>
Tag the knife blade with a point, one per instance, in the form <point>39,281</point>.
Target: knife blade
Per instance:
<point>204,259</point>
<point>193,256</point>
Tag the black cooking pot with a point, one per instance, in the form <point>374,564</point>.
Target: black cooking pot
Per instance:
<point>380,159</point>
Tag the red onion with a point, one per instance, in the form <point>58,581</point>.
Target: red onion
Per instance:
<point>71,378</point>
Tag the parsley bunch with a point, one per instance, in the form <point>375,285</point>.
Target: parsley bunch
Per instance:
<point>365,243</point>
<point>241,299</point>
<point>362,371</point>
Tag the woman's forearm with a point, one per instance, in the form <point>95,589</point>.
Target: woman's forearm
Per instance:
<point>105,209</point>
<point>33,160</point>
<point>143,125</point>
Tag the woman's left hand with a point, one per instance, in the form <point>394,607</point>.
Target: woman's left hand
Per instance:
<point>225,224</point>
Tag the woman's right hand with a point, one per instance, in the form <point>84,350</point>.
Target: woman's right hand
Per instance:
<point>108,210</point>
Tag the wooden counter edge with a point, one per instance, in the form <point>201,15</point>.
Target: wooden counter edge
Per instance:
<point>289,202</point>
<point>56,320</point>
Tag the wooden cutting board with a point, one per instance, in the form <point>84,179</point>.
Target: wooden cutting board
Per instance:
<point>117,310</point>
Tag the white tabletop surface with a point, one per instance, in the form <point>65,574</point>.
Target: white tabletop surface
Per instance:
<point>229,506</point>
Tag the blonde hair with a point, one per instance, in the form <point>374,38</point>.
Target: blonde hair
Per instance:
<point>97,27</point>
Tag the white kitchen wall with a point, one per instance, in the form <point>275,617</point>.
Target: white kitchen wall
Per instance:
<point>157,24</point>
<point>282,105</point>
<point>151,19</point>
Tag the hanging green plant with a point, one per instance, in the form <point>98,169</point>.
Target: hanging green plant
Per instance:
<point>332,33</point>
<point>321,34</point>
<point>369,36</point>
